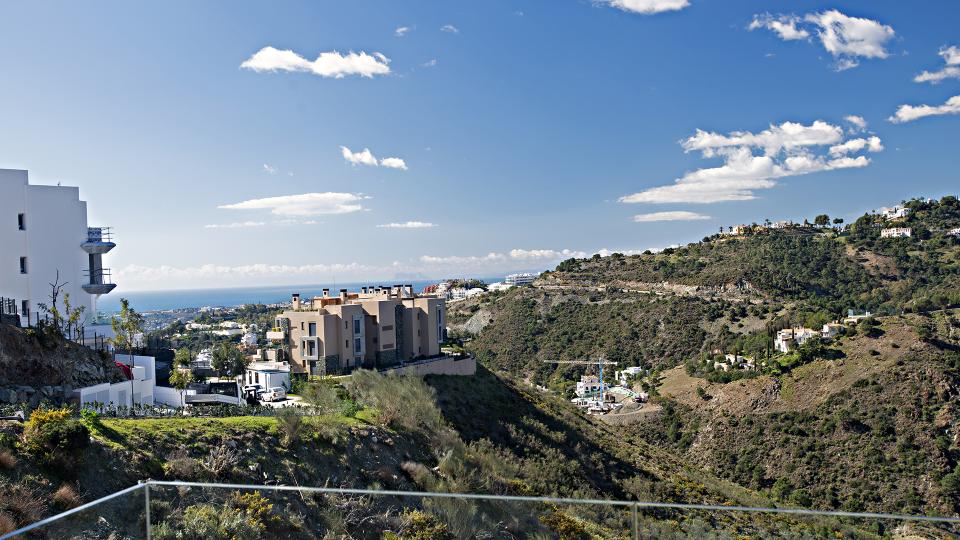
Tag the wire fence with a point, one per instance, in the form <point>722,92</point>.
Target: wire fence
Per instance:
<point>151,509</point>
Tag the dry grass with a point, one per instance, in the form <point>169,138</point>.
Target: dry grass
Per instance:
<point>7,460</point>
<point>7,523</point>
<point>20,505</point>
<point>66,497</point>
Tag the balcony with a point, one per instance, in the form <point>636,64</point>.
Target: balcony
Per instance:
<point>99,282</point>
<point>276,335</point>
<point>99,240</point>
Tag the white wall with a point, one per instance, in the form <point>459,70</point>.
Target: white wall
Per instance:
<point>141,390</point>
<point>56,226</point>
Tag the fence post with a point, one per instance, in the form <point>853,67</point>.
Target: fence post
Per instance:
<point>146,499</point>
<point>636,525</point>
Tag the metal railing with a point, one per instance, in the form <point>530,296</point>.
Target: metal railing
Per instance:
<point>526,514</point>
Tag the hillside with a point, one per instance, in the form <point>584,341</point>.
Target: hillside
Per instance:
<point>527,442</point>
<point>875,429</point>
<point>42,365</point>
<point>868,422</point>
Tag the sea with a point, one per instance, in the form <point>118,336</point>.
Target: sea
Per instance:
<point>230,297</point>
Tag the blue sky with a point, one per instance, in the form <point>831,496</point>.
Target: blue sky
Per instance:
<point>219,162</point>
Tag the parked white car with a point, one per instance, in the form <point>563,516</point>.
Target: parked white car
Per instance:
<point>277,393</point>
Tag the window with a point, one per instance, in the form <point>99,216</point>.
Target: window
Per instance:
<point>388,328</point>
<point>23,265</point>
<point>312,329</point>
<point>346,344</point>
<point>301,325</point>
<point>25,308</point>
<point>22,222</point>
<point>357,346</point>
<point>356,327</point>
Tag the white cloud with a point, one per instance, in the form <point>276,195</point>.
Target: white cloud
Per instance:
<point>784,26</point>
<point>788,149</point>
<point>366,157</point>
<point>146,275</point>
<point>429,63</point>
<point>236,225</point>
<point>909,113</point>
<point>842,35</point>
<point>328,64</point>
<point>401,31</point>
<point>669,216</point>
<point>408,225</point>
<point>457,260</point>
<point>649,7</point>
<point>951,56</point>
<point>542,254</point>
<point>269,169</point>
<point>393,163</point>
<point>858,122</point>
<point>307,204</point>
<point>846,38</point>
<point>450,29</point>
<point>873,144</point>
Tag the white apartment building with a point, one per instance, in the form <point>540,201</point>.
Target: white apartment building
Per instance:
<point>43,231</point>
<point>520,279</point>
<point>896,232</point>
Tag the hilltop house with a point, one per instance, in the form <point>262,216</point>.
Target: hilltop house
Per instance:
<point>377,328</point>
<point>896,232</point>
<point>793,337</point>
<point>894,212</point>
<point>623,376</point>
<point>831,330</point>
<point>737,361</point>
<point>589,386</point>
<point>853,318</point>
<point>954,232</point>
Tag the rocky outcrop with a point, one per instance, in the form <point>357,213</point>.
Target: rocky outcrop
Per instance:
<point>37,366</point>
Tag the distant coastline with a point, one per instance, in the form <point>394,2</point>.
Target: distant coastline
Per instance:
<point>235,296</point>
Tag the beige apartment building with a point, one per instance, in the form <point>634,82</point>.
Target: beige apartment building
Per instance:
<point>375,328</point>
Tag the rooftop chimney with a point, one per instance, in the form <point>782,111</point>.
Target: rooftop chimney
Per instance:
<point>326,293</point>
<point>343,295</point>
<point>295,301</point>
<point>363,289</point>
<point>410,290</point>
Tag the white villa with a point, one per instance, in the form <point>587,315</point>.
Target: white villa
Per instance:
<point>894,212</point>
<point>589,385</point>
<point>268,374</point>
<point>793,337</point>
<point>139,390</point>
<point>623,376</point>
<point>896,232</point>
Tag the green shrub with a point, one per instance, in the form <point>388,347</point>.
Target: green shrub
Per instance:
<point>54,439</point>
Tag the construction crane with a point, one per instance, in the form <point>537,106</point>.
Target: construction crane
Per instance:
<point>600,361</point>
